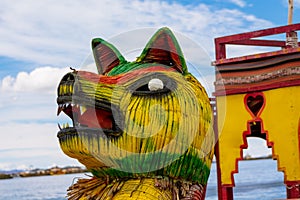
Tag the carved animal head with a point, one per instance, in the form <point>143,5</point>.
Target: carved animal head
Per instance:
<point>148,117</point>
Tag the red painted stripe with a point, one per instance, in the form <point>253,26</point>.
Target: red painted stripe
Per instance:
<point>240,89</point>
<point>121,78</point>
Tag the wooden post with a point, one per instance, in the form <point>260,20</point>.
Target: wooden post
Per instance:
<point>290,12</point>
<point>291,37</point>
<point>293,190</point>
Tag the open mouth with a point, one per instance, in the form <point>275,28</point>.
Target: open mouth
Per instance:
<point>86,113</point>
<point>84,117</point>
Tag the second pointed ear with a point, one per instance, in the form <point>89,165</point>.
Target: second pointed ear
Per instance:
<point>106,55</point>
<point>163,48</point>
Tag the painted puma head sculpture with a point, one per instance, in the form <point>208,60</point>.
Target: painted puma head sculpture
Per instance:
<point>142,128</point>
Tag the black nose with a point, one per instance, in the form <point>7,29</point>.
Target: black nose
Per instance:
<point>65,86</point>
<point>68,77</point>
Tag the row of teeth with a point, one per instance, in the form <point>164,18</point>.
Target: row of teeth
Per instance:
<point>62,106</point>
<point>66,125</point>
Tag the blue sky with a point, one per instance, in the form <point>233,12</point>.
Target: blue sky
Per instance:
<point>40,40</point>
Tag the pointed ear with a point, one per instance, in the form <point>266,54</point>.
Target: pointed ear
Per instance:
<point>163,48</point>
<point>106,55</point>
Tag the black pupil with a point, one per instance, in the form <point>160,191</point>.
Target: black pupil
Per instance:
<point>143,88</point>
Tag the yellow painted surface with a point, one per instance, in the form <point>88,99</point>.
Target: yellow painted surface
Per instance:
<point>280,118</point>
<point>231,126</point>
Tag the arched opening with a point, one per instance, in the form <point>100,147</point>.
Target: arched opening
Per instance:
<point>258,177</point>
<point>257,148</point>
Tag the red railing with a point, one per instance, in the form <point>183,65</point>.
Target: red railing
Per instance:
<point>247,39</point>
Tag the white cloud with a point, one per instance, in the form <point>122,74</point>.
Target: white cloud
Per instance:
<point>30,97</point>
<point>42,80</point>
<point>240,3</point>
<point>257,148</point>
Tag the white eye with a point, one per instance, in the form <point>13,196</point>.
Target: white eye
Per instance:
<point>155,84</point>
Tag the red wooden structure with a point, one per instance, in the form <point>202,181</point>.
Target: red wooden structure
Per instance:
<point>243,82</point>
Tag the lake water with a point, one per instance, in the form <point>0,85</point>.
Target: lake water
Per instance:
<point>257,179</point>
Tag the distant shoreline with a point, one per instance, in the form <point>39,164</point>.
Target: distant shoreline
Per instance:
<point>43,172</point>
<point>72,170</point>
<point>248,157</point>
<point>6,176</point>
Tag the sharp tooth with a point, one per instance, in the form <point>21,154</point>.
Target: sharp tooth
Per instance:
<point>82,109</point>
<point>59,109</point>
<point>59,126</point>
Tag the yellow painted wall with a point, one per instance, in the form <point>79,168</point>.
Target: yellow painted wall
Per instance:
<point>231,126</point>
<point>280,117</point>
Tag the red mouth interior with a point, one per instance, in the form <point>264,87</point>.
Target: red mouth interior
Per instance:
<point>92,117</point>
